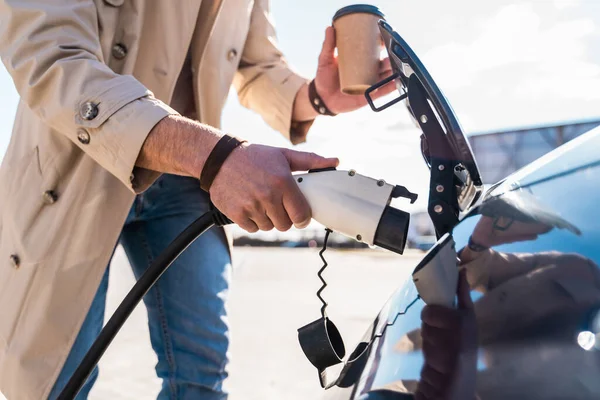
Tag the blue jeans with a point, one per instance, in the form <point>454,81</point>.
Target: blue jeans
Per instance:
<point>186,308</point>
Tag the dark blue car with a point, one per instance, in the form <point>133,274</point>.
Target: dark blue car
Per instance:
<point>536,291</point>
<point>529,248</point>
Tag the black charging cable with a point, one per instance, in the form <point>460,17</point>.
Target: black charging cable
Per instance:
<point>139,290</point>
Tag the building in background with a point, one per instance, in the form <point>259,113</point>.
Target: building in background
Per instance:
<point>501,153</point>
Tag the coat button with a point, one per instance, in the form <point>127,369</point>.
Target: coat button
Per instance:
<point>15,261</point>
<point>83,136</point>
<point>50,197</point>
<point>89,111</point>
<point>119,51</point>
<point>232,54</point>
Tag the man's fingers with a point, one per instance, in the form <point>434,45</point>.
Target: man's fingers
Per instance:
<point>464,292</point>
<point>434,378</point>
<point>327,53</point>
<point>385,71</point>
<point>247,224</point>
<point>427,391</point>
<point>302,161</point>
<point>280,218</point>
<point>440,359</point>
<point>385,74</point>
<point>384,90</point>
<point>385,65</point>
<point>437,336</point>
<point>519,238</point>
<point>441,317</point>
<point>296,206</point>
<point>263,222</point>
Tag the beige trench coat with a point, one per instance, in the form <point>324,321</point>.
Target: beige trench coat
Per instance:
<point>68,178</point>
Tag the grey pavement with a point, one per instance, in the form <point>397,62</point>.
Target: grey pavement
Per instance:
<point>273,294</point>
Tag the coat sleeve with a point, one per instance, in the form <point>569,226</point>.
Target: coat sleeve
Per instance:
<point>52,51</point>
<point>264,81</point>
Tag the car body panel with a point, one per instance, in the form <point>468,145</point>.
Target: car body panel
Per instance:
<point>539,287</point>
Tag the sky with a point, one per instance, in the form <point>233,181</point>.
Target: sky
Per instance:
<point>502,64</point>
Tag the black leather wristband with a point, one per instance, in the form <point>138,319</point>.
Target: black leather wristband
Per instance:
<point>317,102</point>
<point>476,247</point>
<point>216,158</point>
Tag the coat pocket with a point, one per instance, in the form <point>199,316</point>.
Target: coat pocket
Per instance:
<point>114,3</point>
<point>16,276</point>
<point>22,204</point>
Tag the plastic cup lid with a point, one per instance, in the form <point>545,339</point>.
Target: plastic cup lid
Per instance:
<point>358,8</point>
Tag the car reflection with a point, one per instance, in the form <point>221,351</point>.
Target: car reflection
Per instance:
<point>536,311</point>
<point>533,313</point>
<point>533,309</point>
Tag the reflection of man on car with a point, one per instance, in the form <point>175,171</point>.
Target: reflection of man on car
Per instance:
<point>449,348</point>
<point>532,308</point>
<point>450,353</point>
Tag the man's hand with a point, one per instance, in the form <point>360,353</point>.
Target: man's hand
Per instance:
<point>450,349</point>
<point>487,234</point>
<point>327,83</point>
<point>255,188</point>
<point>327,80</point>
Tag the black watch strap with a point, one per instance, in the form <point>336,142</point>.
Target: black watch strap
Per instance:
<point>224,147</point>
<point>476,247</point>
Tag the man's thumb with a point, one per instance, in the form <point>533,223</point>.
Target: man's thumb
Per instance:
<point>302,161</point>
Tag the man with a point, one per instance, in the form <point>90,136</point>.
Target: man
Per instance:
<point>448,340</point>
<point>105,87</point>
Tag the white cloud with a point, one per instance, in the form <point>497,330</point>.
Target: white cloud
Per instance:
<point>525,54</point>
<point>563,4</point>
<point>506,38</point>
<point>513,36</point>
<point>561,64</point>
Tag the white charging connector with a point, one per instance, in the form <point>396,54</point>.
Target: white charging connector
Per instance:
<point>346,202</point>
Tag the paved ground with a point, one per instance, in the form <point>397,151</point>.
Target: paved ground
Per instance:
<point>273,295</point>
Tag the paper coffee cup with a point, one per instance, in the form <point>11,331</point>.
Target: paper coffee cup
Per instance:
<point>359,46</point>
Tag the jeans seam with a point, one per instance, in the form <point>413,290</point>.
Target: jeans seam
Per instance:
<point>163,323</point>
